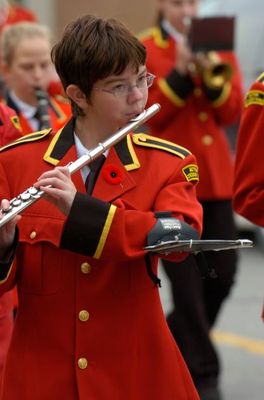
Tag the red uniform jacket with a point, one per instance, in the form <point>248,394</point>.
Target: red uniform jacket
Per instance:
<point>193,115</point>
<point>248,188</point>
<point>10,128</point>
<point>59,113</point>
<point>90,324</point>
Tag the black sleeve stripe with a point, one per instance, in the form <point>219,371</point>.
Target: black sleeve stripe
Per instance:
<point>87,226</point>
<point>27,138</point>
<point>154,142</point>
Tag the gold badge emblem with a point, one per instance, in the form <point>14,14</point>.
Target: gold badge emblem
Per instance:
<point>191,172</point>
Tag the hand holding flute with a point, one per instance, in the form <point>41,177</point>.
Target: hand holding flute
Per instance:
<point>58,188</point>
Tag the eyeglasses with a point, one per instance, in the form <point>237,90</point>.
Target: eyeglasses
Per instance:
<point>123,90</point>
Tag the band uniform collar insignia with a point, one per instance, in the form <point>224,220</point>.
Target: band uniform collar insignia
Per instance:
<point>60,114</point>
<point>60,144</point>
<point>126,153</point>
<point>160,37</point>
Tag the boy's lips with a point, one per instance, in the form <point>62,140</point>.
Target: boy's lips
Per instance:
<point>134,114</point>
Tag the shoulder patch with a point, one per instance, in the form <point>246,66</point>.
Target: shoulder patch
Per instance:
<point>31,137</point>
<point>191,173</point>
<point>144,140</point>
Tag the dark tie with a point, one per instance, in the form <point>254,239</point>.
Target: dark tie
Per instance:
<point>42,112</point>
<point>95,167</point>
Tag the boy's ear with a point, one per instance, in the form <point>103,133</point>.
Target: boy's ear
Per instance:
<point>76,95</point>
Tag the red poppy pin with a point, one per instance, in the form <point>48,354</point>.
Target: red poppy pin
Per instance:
<point>112,174</point>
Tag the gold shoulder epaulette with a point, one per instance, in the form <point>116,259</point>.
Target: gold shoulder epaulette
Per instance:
<point>31,137</point>
<point>144,140</point>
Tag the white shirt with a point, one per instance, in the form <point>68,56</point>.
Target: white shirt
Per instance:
<point>82,150</point>
<point>177,36</point>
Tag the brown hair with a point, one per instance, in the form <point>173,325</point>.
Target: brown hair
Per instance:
<point>92,48</point>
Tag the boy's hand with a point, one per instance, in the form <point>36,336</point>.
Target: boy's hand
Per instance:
<point>58,188</point>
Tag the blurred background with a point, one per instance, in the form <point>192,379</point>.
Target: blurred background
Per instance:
<point>239,332</point>
<point>138,15</point>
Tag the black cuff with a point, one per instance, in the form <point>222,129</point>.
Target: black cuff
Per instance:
<point>84,225</point>
<point>211,93</point>
<point>182,85</point>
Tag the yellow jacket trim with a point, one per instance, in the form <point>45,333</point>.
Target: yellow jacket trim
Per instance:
<point>166,89</point>
<point>136,163</point>
<point>223,96</point>
<point>155,33</point>
<point>255,97</point>
<point>31,137</point>
<point>158,39</point>
<point>47,156</point>
<point>144,140</point>
<point>59,111</point>
<point>105,232</point>
<point>145,34</point>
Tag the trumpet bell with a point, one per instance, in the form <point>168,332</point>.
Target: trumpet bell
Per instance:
<point>218,73</point>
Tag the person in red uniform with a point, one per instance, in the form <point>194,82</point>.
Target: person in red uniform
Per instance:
<point>9,131</point>
<point>248,188</point>
<point>90,323</point>
<point>195,108</point>
<point>12,13</point>
<point>26,65</point>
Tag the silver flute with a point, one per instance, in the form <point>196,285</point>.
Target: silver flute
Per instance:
<point>29,196</point>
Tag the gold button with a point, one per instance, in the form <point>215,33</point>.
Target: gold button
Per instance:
<point>84,315</point>
<point>82,363</point>
<point>142,138</point>
<point>86,268</point>
<point>207,140</point>
<point>203,116</point>
<point>197,92</point>
<point>33,234</point>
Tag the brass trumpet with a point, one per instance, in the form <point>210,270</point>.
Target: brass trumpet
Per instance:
<point>218,72</point>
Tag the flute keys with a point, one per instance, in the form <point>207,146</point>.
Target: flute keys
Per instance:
<point>25,196</point>
<point>16,202</point>
<point>33,191</point>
